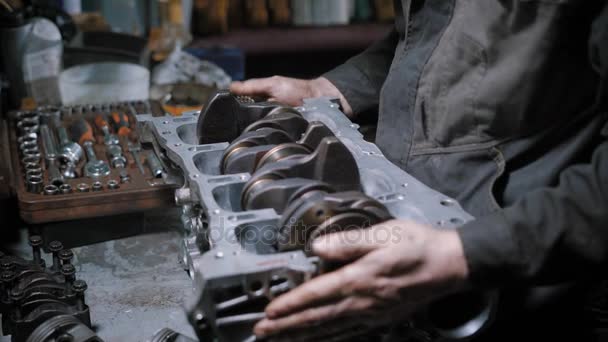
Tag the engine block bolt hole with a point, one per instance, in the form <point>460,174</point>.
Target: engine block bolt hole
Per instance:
<point>447,202</point>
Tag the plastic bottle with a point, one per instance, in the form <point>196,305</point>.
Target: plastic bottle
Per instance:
<point>42,61</point>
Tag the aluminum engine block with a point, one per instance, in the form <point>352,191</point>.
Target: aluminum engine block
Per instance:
<point>230,252</point>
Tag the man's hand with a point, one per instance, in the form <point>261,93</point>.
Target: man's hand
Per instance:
<point>290,91</point>
<point>399,266</point>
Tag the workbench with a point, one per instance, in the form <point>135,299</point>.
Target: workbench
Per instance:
<point>136,285</point>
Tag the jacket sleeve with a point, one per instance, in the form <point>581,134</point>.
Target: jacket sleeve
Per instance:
<point>551,234</point>
<point>360,78</point>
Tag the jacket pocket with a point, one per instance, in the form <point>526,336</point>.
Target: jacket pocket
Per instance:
<point>449,113</point>
<point>497,182</point>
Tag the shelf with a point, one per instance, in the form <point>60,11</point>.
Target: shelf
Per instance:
<point>278,40</point>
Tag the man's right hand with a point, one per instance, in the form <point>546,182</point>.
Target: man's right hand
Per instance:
<point>290,91</point>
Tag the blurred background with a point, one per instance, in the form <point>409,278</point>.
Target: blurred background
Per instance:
<point>243,38</point>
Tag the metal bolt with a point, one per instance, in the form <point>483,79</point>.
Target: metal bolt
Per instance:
<point>16,295</point>
<point>66,256</point>
<point>7,281</point>
<point>79,286</point>
<point>68,271</point>
<point>55,247</point>
<point>65,337</point>
<point>7,276</point>
<point>7,264</point>
<point>36,241</point>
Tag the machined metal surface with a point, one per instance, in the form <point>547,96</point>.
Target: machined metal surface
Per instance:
<point>235,269</point>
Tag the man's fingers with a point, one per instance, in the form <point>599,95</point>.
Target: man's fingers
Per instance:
<point>306,318</point>
<point>345,310</point>
<point>331,331</point>
<point>342,246</point>
<point>254,86</point>
<point>352,244</point>
<point>318,290</point>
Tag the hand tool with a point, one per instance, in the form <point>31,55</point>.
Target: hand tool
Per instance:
<point>69,151</point>
<point>69,171</point>
<point>27,115</point>
<point>124,176</point>
<point>50,156</point>
<point>94,167</point>
<point>154,164</point>
<point>82,131</point>
<point>28,146</point>
<point>32,137</point>
<point>83,187</point>
<point>121,123</point>
<point>34,184</point>
<point>30,160</point>
<point>113,184</point>
<point>51,190</point>
<point>27,126</point>
<point>135,149</point>
<point>32,167</point>
<point>102,124</point>
<point>50,115</point>
<point>54,175</point>
<point>32,152</point>
<point>97,186</point>
<point>65,189</point>
<point>117,160</point>
<point>33,173</point>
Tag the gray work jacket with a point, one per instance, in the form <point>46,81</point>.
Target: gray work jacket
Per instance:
<point>495,103</point>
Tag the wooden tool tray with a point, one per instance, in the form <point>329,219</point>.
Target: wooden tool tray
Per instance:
<point>142,192</point>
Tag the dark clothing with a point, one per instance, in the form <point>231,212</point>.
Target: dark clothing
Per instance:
<point>495,103</point>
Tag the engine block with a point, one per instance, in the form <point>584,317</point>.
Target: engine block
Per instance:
<point>258,182</point>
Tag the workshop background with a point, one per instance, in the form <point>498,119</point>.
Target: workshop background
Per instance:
<point>73,76</point>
